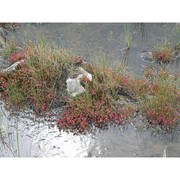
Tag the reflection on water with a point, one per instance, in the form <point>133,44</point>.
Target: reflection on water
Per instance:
<point>22,136</point>
<point>42,139</point>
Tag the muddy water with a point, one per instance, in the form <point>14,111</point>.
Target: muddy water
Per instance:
<point>22,135</point>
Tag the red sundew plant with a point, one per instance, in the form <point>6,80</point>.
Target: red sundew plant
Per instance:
<point>162,107</point>
<point>98,115</point>
<point>125,80</point>
<point>3,85</point>
<point>164,53</point>
<point>16,56</point>
<point>169,116</point>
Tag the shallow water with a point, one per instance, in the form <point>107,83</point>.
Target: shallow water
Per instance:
<point>43,139</point>
<point>93,40</point>
<point>21,135</point>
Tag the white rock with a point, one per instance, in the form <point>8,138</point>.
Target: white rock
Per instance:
<point>74,87</point>
<point>84,73</point>
<point>13,66</point>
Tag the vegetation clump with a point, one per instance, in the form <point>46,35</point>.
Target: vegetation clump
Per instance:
<point>40,80</point>
<point>111,98</point>
<point>98,106</point>
<point>164,53</point>
<point>162,106</point>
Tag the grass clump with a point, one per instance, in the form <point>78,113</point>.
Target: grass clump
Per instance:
<point>128,35</point>
<point>162,105</point>
<point>40,80</point>
<point>164,53</point>
<point>98,106</point>
<point>8,49</point>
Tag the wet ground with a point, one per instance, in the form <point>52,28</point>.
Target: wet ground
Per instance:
<point>21,135</point>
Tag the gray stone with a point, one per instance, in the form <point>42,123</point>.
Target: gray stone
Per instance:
<point>3,63</point>
<point>3,37</point>
<point>146,55</point>
<point>13,67</point>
